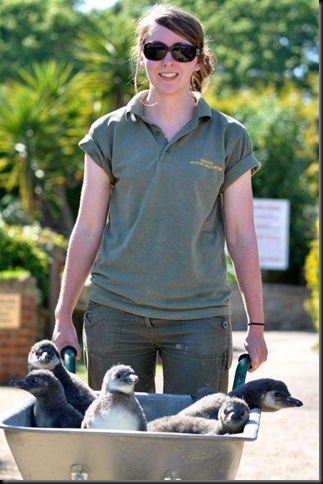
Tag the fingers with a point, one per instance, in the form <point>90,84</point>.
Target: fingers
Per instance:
<point>256,361</point>
<point>254,364</point>
<point>257,349</point>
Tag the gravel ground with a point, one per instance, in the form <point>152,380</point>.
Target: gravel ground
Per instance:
<point>287,446</point>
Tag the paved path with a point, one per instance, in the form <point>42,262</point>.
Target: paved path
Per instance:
<point>287,446</point>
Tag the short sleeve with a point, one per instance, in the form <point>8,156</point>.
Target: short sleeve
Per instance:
<point>239,155</point>
<point>90,147</point>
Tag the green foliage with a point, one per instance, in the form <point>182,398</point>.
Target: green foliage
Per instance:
<point>29,248</point>
<point>312,277</point>
<point>104,48</point>
<point>278,124</point>
<point>262,41</point>
<point>11,210</point>
<point>36,31</point>
<point>255,41</point>
<point>41,122</point>
<point>14,274</point>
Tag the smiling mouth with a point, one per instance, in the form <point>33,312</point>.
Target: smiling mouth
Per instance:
<point>168,75</point>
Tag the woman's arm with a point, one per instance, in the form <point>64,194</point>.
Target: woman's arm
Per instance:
<point>82,250</point>
<point>243,249</point>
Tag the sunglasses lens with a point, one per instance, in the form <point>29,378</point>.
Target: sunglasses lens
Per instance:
<point>184,52</point>
<point>155,51</point>
<point>181,52</point>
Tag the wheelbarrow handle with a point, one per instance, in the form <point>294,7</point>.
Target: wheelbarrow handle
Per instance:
<point>68,354</point>
<point>243,366</point>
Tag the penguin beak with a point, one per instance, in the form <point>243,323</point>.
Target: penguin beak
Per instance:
<point>293,402</point>
<point>133,379</point>
<point>18,383</point>
<point>44,357</point>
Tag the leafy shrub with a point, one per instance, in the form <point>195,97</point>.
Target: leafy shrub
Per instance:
<point>14,274</point>
<point>312,279</point>
<point>284,134</point>
<point>29,248</point>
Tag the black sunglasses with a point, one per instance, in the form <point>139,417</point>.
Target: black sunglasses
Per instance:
<point>156,51</point>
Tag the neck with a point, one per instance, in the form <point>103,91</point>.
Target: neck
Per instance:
<point>170,113</point>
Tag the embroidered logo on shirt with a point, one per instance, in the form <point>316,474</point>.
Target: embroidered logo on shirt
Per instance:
<point>207,164</point>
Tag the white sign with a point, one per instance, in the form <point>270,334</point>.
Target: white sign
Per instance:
<point>272,229</point>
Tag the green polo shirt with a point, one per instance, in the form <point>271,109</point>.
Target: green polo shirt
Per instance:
<point>162,251</point>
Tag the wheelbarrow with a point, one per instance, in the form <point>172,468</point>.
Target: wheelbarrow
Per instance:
<point>119,455</point>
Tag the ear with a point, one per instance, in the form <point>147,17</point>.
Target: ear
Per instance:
<point>142,60</point>
<point>197,66</point>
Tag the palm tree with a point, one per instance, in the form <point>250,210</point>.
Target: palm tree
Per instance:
<point>38,140</point>
<point>105,50</point>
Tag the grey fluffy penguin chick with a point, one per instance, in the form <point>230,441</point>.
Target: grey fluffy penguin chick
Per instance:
<point>207,406</point>
<point>45,355</point>
<point>51,408</point>
<point>268,394</point>
<point>232,416</point>
<point>116,406</point>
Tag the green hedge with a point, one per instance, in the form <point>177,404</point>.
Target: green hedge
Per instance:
<point>29,249</point>
<point>312,277</point>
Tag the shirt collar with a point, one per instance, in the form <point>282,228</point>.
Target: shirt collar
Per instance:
<point>135,106</point>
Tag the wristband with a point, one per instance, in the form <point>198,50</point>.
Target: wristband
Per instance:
<point>256,324</point>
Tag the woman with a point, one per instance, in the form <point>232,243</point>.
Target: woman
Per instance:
<point>167,183</point>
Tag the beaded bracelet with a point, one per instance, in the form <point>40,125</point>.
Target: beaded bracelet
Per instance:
<point>256,324</point>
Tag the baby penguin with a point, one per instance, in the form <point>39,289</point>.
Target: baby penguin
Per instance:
<point>45,355</point>
<point>233,414</point>
<point>116,406</point>
<point>267,394</point>
<point>51,408</point>
<point>207,406</point>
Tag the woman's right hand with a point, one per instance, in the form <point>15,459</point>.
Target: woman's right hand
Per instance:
<point>64,334</point>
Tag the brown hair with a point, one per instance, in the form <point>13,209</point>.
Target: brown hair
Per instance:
<point>183,24</point>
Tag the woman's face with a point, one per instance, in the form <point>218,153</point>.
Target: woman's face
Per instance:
<point>168,76</point>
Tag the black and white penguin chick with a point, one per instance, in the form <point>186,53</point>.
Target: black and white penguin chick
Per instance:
<point>45,355</point>
<point>232,416</point>
<point>116,406</point>
<point>268,394</point>
<point>51,408</point>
